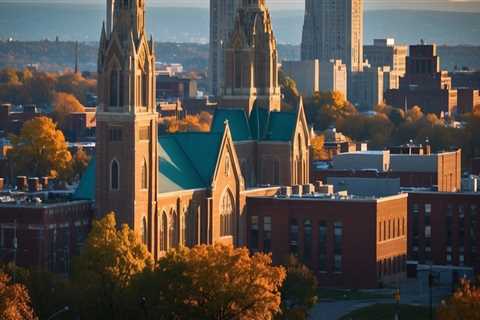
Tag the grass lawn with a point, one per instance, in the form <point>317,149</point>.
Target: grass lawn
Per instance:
<point>334,294</point>
<point>387,312</point>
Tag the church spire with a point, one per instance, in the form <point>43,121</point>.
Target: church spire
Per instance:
<point>129,17</point>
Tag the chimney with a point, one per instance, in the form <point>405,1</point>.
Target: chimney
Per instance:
<point>33,184</point>
<point>22,183</point>
<point>297,190</point>
<point>44,183</point>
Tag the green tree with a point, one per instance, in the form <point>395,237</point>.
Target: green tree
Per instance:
<point>299,291</point>
<point>104,270</point>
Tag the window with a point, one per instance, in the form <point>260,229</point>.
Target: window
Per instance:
<point>227,165</point>
<point>267,234</point>
<point>293,237</point>
<point>428,232</point>
<point>114,88</point>
<point>338,263</point>
<point>338,232</point>
<point>307,241</point>
<point>114,176</point>
<point>144,88</point>
<point>428,208</point>
<point>144,231</point>
<point>144,175</point>
<point>183,228</point>
<point>254,233</point>
<point>322,246</point>
<point>173,229</point>
<point>164,232</point>
<point>115,134</point>
<point>192,227</point>
<point>226,214</point>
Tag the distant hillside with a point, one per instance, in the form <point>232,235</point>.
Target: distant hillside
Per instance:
<point>83,22</point>
<point>54,56</point>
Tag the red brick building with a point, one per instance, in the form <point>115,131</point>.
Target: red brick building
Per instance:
<point>347,241</point>
<point>443,228</point>
<point>47,235</point>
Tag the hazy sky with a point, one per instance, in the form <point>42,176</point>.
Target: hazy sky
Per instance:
<point>460,5</point>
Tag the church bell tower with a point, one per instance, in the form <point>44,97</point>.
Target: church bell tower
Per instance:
<point>126,149</point>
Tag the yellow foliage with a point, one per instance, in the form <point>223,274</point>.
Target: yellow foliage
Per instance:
<point>199,123</point>
<point>318,149</point>
<point>14,301</point>
<point>227,283</point>
<point>40,149</point>
<point>414,114</point>
<point>64,104</point>
<point>464,304</point>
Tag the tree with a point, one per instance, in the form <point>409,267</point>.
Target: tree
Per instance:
<point>104,270</point>
<point>289,89</point>
<point>195,123</point>
<point>327,109</point>
<point>299,291</point>
<point>80,163</point>
<point>318,149</point>
<point>212,282</point>
<point>14,301</point>
<point>464,304</point>
<point>40,149</point>
<point>64,104</point>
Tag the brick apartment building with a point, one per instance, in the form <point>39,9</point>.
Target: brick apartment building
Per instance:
<point>443,228</point>
<point>348,241</point>
<point>47,234</point>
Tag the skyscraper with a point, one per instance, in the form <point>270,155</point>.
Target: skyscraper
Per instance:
<point>333,29</point>
<point>222,21</point>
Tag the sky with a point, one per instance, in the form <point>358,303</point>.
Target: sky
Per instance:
<point>455,5</point>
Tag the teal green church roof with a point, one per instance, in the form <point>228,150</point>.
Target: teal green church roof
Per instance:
<point>262,125</point>
<point>187,161</point>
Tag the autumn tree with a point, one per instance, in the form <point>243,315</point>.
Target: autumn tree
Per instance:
<point>318,148</point>
<point>76,85</point>
<point>79,163</point>
<point>14,301</point>
<point>191,123</point>
<point>289,90</point>
<point>212,282</point>
<point>104,270</point>
<point>327,108</point>
<point>64,104</point>
<point>40,149</point>
<point>299,291</point>
<point>464,304</point>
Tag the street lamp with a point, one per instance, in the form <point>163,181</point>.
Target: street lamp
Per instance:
<point>59,312</point>
<point>396,296</point>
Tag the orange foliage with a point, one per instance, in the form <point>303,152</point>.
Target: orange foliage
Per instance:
<point>14,301</point>
<point>64,104</point>
<point>318,149</point>
<point>464,304</point>
<point>199,123</point>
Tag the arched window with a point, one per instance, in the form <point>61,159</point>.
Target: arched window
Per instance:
<point>173,230</point>
<point>227,165</point>
<point>144,231</point>
<point>226,214</point>
<point>192,227</point>
<point>144,102</point>
<point>164,232</point>
<point>144,175</point>
<point>114,88</point>
<point>114,175</point>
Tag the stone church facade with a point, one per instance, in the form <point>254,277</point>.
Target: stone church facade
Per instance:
<point>187,188</point>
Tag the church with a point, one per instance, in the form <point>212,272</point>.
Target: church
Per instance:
<point>191,188</point>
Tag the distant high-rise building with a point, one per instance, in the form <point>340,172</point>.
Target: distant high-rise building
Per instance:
<point>333,29</point>
<point>424,83</point>
<point>222,21</point>
<point>384,52</point>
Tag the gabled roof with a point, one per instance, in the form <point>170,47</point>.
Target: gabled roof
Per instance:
<point>86,187</point>
<point>281,126</point>
<point>262,124</point>
<point>237,121</point>
<point>187,160</point>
